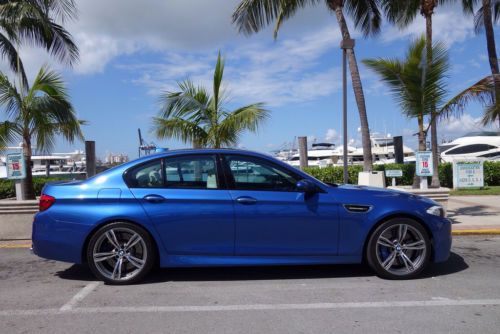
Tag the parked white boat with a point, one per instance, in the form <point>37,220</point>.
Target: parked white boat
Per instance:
<point>484,144</point>
<point>326,154</point>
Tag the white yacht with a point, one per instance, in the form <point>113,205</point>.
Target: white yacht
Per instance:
<point>484,144</point>
<point>321,154</point>
<point>326,154</point>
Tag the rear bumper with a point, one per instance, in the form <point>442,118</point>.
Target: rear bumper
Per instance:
<point>57,240</point>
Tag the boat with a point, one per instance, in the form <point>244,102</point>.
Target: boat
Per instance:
<point>483,144</point>
<point>59,164</point>
<point>326,154</point>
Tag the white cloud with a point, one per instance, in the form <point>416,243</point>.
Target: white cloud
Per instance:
<point>449,25</point>
<point>454,127</point>
<point>277,73</point>
<point>332,135</point>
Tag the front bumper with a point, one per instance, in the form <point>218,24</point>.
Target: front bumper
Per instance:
<point>441,238</point>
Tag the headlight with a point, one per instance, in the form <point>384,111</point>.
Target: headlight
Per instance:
<point>436,210</point>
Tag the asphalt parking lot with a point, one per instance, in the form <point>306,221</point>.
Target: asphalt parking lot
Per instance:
<point>459,296</point>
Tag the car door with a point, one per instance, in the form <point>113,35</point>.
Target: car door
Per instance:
<point>187,203</point>
<point>272,217</point>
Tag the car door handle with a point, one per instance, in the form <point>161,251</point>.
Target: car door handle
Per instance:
<point>246,200</point>
<point>154,198</point>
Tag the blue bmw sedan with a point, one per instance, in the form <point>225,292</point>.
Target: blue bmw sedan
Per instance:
<point>225,207</point>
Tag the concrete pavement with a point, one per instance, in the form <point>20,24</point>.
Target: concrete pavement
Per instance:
<point>461,295</point>
<point>474,214</point>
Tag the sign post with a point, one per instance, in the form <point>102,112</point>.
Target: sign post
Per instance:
<point>423,166</point>
<point>468,174</point>
<point>16,170</point>
<point>394,173</point>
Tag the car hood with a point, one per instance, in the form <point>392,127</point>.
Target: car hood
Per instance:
<point>374,192</point>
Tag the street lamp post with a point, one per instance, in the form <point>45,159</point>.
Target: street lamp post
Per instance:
<point>345,44</point>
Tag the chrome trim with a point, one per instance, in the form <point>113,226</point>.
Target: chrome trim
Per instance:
<point>357,208</point>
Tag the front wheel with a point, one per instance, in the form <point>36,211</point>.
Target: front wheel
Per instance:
<point>399,249</point>
<point>120,253</point>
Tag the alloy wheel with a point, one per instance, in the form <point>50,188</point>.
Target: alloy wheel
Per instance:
<point>401,249</point>
<point>120,254</point>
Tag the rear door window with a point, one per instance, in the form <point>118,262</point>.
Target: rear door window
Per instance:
<point>191,172</point>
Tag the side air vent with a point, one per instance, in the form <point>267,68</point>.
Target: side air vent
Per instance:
<point>357,208</point>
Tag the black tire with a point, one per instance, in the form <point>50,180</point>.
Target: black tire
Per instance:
<point>136,261</point>
<point>400,266</point>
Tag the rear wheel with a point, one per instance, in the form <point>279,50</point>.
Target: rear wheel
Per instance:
<point>120,253</point>
<point>399,249</point>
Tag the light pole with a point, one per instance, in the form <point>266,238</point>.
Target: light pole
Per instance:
<point>345,44</point>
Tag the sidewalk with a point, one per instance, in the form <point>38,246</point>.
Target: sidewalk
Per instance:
<point>474,214</point>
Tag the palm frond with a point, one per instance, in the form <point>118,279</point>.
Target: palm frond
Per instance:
<point>401,13</point>
<point>10,98</point>
<point>43,32</point>
<point>9,131</point>
<point>218,75</point>
<point>179,128</point>
<point>479,16</point>
<point>249,117</point>
<point>9,52</point>
<point>415,85</point>
<point>366,15</point>
<point>482,92</point>
<point>253,15</point>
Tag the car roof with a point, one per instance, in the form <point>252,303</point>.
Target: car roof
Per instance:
<point>202,151</point>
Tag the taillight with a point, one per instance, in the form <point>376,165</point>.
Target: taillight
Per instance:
<point>46,202</point>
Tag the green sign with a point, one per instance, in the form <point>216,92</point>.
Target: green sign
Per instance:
<point>394,173</point>
<point>16,168</point>
<point>423,163</point>
<point>468,174</point>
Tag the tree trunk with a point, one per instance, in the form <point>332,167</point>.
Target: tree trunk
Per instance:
<point>492,52</point>
<point>421,145</point>
<point>27,182</point>
<point>434,140</point>
<point>357,87</point>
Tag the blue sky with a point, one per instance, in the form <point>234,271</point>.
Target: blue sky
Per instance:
<point>132,51</point>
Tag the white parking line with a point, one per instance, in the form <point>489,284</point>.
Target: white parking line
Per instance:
<point>84,292</point>
<point>70,309</point>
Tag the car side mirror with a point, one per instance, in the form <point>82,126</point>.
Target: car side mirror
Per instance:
<point>306,186</point>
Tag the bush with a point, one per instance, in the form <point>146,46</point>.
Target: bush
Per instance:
<point>7,187</point>
<point>492,173</point>
<point>334,174</point>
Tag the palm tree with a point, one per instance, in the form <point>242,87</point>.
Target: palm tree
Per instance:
<point>253,15</point>
<point>193,115</point>
<point>485,16</point>
<point>37,117</point>
<point>35,22</point>
<point>417,86</point>
<point>402,13</point>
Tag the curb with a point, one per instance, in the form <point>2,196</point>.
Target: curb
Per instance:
<point>15,244</point>
<point>477,232</point>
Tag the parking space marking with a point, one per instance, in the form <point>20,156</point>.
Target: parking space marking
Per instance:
<point>84,292</point>
<point>70,308</point>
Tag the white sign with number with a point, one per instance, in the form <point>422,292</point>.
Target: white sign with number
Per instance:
<point>424,163</point>
<point>468,174</point>
<point>15,166</point>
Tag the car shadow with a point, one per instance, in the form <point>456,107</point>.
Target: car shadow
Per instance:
<point>470,211</point>
<point>80,272</point>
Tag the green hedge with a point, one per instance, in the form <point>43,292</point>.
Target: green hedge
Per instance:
<point>334,174</point>
<point>7,187</point>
